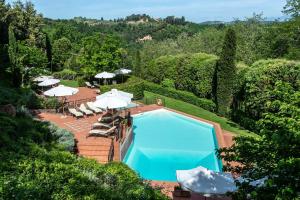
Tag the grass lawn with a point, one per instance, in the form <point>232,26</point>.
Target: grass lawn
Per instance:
<point>70,83</point>
<point>200,112</point>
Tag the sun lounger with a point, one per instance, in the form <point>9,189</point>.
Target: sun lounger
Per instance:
<point>74,112</point>
<point>83,109</point>
<point>96,84</point>
<point>102,132</point>
<point>91,107</point>
<point>98,125</point>
<point>89,85</point>
<point>108,117</point>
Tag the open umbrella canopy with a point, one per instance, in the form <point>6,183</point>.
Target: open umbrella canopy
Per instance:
<point>110,101</point>
<point>123,71</point>
<point>118,94</point>
<point>61,91</point>
<point>207,182</point>
<point>105,75</point>
<point>49,82</point>
<point>42,78</point>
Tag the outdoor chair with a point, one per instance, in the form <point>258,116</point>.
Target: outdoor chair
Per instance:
<point>102,132</point>
<point>108,117</point>
<point>96,84</point>
<point>83,109</point>
<point>89,85</point>
<point>98,125</point>
<point>91,107</point>
<point>75,113</point>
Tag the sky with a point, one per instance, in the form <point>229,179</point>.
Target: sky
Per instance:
<point>193,10</point>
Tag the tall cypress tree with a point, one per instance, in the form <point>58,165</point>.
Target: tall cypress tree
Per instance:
<point>49,52</point>
<point>13,58</point>
<point>138,68</point>
<point>225,71</point>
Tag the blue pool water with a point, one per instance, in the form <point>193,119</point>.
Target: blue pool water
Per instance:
<point>165,141</point>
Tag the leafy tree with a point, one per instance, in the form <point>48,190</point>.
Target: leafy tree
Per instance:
<point>4,59</point>
<point>61,52</point>
<point>268,103</point>
<point>225,72</point>
<point>100,53</point>
<point>26,23</point>
<point>14,59</point>
<point>292,8</point>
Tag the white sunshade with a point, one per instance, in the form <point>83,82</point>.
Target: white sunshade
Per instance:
<point>105,75</point>
<point>49,82</point>
<point>111,101</point>
<point>60,91</point>
<point>42,78</point>
<point>207,182</point>
<point>118,94</point>
<point>123,71</point>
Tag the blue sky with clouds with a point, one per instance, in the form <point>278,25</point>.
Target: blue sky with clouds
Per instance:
<point>193,10</point>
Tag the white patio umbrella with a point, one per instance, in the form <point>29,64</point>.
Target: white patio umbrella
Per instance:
<point>105,75</point>
<point>42,78</point>
<point>118,94</point>
<point>49,82</point>
<point>206,182</point>
<point>110,101</point>
<point>61,91</point>
<point>123,72</point>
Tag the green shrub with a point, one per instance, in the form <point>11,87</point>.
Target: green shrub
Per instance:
<point>63,136</point>
<point>80,81</point>
<point>133,85</point>
<point>168,83</point>
<point>20,97</point>
<point>65,74</point>
<point>180,95</point>
<point>50,103</point>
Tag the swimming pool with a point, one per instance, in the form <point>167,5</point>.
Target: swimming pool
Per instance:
<point>165,141</point>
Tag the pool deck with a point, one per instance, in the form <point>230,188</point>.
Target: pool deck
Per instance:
<point>98,147</point>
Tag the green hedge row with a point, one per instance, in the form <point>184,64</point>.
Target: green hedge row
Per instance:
<point>133,85</point>
<point>180,95</point>
<point>137,87</point>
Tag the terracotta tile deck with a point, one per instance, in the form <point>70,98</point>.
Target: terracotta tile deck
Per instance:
<point>98,147</point>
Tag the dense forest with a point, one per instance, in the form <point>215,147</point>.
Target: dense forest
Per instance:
<point>247,71</point>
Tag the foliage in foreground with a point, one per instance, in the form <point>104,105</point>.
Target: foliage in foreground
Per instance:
<point>271,100</point>
<point>35,166</point>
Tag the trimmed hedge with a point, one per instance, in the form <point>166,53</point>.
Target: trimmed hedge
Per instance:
<point>190,72</point>
<point>137,87</point>
<point>133,85</point>
<point>180,95</point>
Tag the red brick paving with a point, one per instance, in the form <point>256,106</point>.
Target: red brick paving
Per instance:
<point>83,93</point>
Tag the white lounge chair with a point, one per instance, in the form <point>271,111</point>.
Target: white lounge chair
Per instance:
<point>108,117</point>
<point>91,107</point>
<point>96,84</point>
<point>102,132</point>
<point>74,112</point>
<point>98,125</point>
<point>89,85</point>
<point>83,109</point>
